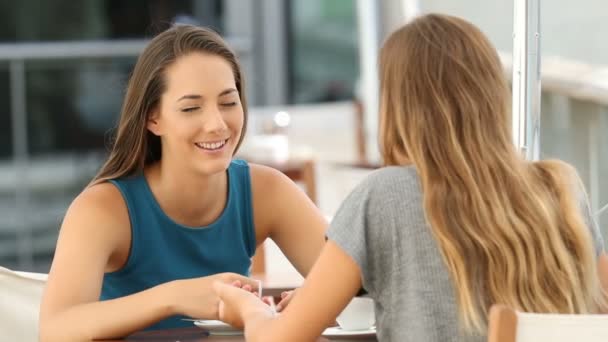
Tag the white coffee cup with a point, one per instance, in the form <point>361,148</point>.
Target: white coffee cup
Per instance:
<point>358,314</point>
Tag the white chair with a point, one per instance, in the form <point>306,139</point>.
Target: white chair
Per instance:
<point>20,295</point>
<point>508,325</point>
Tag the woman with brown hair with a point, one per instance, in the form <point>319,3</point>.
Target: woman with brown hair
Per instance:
<point>171,212</point>
<point>458,221</point>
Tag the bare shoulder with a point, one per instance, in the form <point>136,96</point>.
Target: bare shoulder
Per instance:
<point>94,238</point>
<point>264,178</point>
<point>99,210</point>
<point>268,186</point>
<point>103,200</point>
<point>274,193</point>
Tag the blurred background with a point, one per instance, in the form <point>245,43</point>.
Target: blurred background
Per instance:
<point>64,67</point>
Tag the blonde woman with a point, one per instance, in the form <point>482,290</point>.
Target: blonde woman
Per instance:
<point>456,222</point>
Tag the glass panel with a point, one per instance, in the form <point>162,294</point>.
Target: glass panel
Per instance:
<point>8,229</point>
<point>40,20</point>
<point>574,126</point>
<point>72,107</point>
<point>575,131</point>
<point>323,55</point>
<point>494,18</point>
<point>73,104</point>
<point>6,134</point>
<point>8,233</point>
<point>575,30</point>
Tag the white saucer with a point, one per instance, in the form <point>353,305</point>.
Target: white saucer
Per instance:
<point>218,328</point>
<point>339,332</point>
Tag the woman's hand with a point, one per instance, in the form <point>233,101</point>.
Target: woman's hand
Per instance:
<point>237,305</point>
<point>196,297</point>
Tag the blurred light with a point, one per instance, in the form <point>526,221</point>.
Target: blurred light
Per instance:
<point>282,119</point>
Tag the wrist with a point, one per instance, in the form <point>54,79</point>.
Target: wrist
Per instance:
<point>167,297</point>
<point>257,314</point>
<point>258,324</point>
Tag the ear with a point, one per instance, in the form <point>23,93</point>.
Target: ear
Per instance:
<point>153,123</point>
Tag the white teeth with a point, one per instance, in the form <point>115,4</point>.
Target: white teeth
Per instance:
<point>211,146</point>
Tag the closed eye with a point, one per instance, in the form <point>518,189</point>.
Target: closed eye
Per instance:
<point>229,104</point>
<point>190,109</point>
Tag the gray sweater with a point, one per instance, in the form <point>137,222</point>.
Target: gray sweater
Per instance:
<point>382,226</point>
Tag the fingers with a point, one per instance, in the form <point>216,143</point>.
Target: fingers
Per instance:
<point>230,292</point>
<point>228,306</point>
<point>285,299</point>
<point>230,296</point>
<point>234,300</point>
<point>246,287</point>
<point>246,283</point>
<point>268,300</point>
<point>232,277</point>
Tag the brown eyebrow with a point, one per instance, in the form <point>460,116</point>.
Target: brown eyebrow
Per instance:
<point>190,97</point>
<point>227,91</point>
<point>198,97</point>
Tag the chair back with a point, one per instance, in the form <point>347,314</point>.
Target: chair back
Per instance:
<point>508,325</point>
<point>20,296</point>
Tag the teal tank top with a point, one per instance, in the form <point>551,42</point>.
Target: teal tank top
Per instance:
<point>163,250</point>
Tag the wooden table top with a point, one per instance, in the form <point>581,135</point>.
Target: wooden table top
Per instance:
<point>195,334</point>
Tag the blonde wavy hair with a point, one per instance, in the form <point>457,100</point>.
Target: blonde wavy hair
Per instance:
<point>510,231</point>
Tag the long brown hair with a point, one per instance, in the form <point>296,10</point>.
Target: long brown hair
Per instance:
<point>510,231</point>
<point>134,146</point>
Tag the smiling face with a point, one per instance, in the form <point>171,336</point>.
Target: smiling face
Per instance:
<point>200,116</point>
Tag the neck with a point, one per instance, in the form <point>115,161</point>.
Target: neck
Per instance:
<point>187,198</point>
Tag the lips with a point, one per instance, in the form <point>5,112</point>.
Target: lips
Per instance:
<point>211,145</point>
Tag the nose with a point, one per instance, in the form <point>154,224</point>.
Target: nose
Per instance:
<point>214,122</point>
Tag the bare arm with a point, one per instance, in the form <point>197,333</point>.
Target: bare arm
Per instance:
<point>331,284</point>
<point>89,237</point>
<point>92,241</point>
<point>285,214</point>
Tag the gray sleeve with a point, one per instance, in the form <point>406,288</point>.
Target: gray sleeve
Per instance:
<point>349,230</point>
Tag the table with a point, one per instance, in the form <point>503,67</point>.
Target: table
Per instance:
<point>199,335</point>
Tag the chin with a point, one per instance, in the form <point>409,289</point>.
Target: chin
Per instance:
<point>213,166</point>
